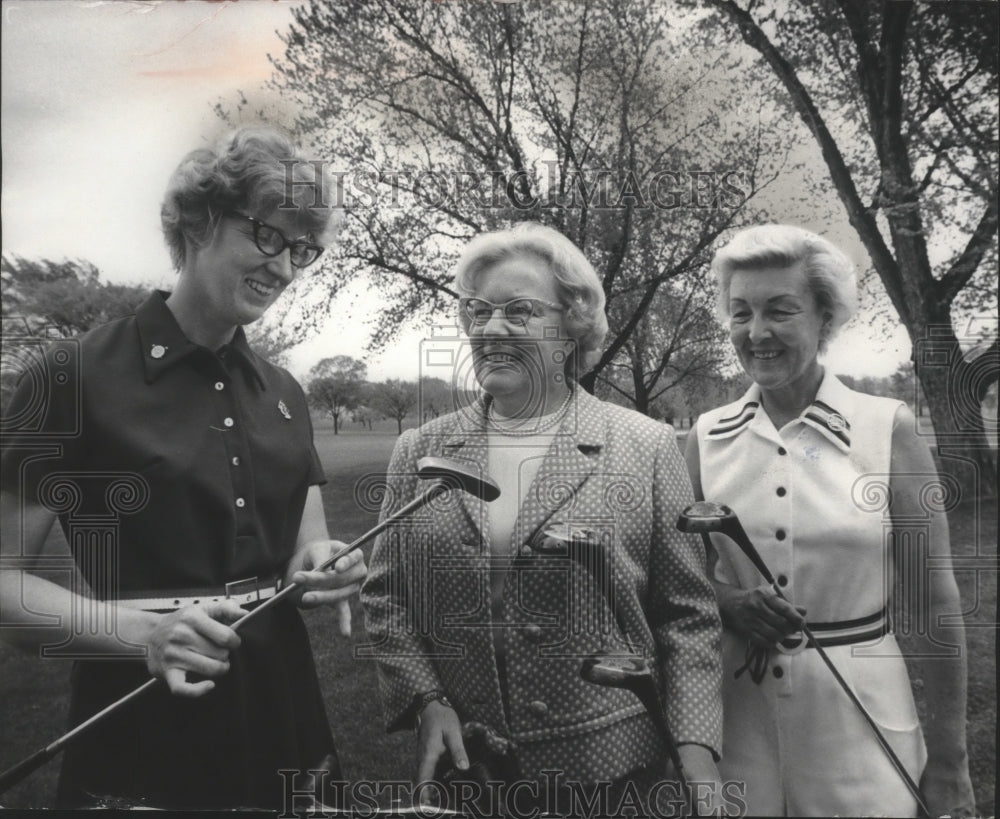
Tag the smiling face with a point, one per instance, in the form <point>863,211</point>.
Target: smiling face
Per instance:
<point>229,281</point>
<point>520,364</point>
<point>775,326</point>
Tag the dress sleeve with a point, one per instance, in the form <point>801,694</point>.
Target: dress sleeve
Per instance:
<point>684,616</point>
<point>395,634</point>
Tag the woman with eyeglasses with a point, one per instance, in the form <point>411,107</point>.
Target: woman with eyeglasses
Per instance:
<point>196,457</point>
<point>482,615</point>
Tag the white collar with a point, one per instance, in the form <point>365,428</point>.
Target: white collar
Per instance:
<point>827,414</point>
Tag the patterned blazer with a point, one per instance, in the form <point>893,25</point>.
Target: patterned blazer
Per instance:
<point>432,626</point>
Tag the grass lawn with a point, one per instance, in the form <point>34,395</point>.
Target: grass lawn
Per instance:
<point>33,694</point>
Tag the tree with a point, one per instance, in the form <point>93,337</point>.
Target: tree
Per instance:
<point>913,89</point>
<point>394,398</point>
<point>587,116</point>
<point>364,415</point>
<point>676,340</point>
<point>47,299</point>
<point>335,386</point>
<point>436,398</point>
<point>65,298</point>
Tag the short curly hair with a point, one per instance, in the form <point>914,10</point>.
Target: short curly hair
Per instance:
<point>829,273</point>
<point>577,284</point>
<point>256,169</point>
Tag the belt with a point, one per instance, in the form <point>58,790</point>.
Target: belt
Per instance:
<point>834,633</point>
<point>246,592</point>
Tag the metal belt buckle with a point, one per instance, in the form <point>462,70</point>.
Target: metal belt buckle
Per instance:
<point>793,643</point>
<point>244,591</point>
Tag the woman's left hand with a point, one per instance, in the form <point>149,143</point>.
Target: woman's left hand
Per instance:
<point>947,789</point>
<point>333,586</point>
<point>703,778</point>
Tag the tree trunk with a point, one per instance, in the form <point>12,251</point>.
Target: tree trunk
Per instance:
<point>335,419</point>
<point>639,387</point>
<point>951,388</point>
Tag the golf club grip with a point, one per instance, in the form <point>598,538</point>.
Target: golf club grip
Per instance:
<point>10,777</point>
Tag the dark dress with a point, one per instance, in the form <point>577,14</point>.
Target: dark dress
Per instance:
<point>174,467</point>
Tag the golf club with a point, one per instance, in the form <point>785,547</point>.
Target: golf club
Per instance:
<point>580,544</point>
<point>707,516</point>
<point>631,672</point>
<point>445,473</point>
<point>634,674</point>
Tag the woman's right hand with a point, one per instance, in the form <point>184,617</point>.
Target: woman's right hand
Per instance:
<point>759,615</point>
<point>440,732</point>
<point>196,639</point>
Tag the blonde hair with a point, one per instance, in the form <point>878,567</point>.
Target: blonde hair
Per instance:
<point>829,273</point>
<point>577,284</point>
<point>255,169</point>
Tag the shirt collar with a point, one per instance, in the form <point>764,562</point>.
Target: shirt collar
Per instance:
<point>828,414</point>
<point>163,343</point>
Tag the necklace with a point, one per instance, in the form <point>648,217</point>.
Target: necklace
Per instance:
<point>498,423</point>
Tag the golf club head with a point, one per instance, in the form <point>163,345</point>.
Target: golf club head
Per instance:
<point>458,475</point>
<point>632,672</point>
<point>582,545</point>
<point>621,671</point>
<point>705,516</point>
<point>708,516</point>
<point>564,540</point>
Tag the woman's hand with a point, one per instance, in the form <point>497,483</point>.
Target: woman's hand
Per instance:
<point>333,586</point>
<point>758,614</point>
<point>196,639</point>
<point>947,788</point>
<point>440,732</point>
<point>704,781</point>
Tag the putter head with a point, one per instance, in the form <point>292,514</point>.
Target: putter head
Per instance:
<point>458,475</point>
<point>616,671</point>
<point>705,516</point>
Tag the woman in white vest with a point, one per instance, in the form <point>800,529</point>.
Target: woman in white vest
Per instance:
<point>824,480</point>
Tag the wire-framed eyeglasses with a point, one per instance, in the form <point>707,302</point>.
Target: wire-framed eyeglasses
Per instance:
<point>516,311</point>
<point>270,241</point>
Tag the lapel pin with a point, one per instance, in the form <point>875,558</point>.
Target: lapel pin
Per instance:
<point>158,351</point>
<point>284,411</point>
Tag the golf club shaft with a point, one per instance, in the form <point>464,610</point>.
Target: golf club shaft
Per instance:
<point>882,741</point>
<point>649,698</point>
<point>734,529</point>
<point>22,769</point>
<point>420,501</point>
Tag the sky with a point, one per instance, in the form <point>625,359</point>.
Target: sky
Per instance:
<point>100,100</point>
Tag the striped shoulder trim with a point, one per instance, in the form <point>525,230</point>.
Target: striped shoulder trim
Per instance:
<point>725,427</point>
<point>828,421</point>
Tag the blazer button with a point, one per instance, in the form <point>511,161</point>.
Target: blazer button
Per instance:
<point>533,632</point>
<point>538,708</point>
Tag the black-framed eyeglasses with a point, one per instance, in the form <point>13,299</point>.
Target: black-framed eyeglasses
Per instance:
<point>516,311</point>
<point>270,241</point>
